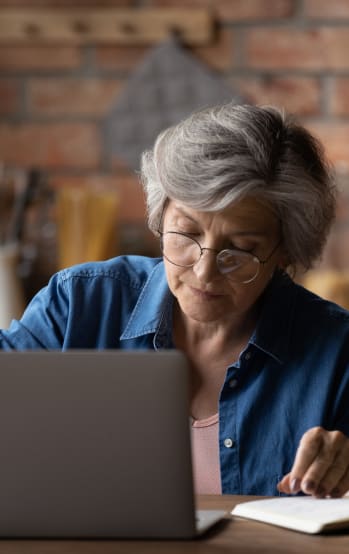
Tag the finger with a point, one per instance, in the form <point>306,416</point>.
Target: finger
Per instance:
<point>330,453</point>
<point>342,487</point>
<point>329,465</point>
<point>285,484</point>
<point>310,446</point>
<point>336,481</point>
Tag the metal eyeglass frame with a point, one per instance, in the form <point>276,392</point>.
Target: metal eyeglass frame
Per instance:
<point>219,253</point>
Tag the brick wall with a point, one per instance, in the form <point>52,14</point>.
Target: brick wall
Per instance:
<point>292,53</point>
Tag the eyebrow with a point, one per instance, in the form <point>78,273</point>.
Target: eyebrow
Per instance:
<point>232,234</point>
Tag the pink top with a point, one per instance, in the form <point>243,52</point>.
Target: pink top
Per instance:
<point>205,453</point>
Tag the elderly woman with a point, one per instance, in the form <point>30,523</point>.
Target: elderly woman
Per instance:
<point>239,196</point>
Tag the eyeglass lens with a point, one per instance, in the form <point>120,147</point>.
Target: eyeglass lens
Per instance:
<point>184,251</point>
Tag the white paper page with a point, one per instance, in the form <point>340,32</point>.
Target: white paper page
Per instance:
<point>303,513</point>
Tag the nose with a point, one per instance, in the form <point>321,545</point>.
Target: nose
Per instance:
<point>206,268</point>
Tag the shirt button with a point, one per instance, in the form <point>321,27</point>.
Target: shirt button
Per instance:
<point>233,383</point>
<point>247,355</point>
<point>228,443</point>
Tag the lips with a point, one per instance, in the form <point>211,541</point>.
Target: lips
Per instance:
<point>205,294</point>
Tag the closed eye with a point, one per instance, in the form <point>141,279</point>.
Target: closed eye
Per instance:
<point>247,250</point>
<point>188,233</point>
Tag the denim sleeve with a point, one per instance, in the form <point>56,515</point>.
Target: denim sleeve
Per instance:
<point>43,323</point>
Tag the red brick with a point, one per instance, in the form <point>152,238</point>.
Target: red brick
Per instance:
<point>126,186</point>
<point>335,9</point>
<point>221,54</point>
<point>120,57</point>
<point>131,198</point>
<point>58,145</point>
<point>66,3</point>
<point>339,102</point>
<point>335,138</point>
<point>317,48</point>
<point>118,164</point>
<point>239,10</point>
<point>300,95</point>
<point>9,97</point>
<point>91,97</point>
<point>93,180</point>
<point>48,58</point>
<point>182,3</point>
<point>236,10</point>
<point>218,55</point>
<point>130,190</point>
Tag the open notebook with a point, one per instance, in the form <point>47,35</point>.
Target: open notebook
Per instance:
<point>300,513</point>
<point>96,444</point>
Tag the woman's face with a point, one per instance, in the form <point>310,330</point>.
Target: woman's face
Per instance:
<point>202,292</point>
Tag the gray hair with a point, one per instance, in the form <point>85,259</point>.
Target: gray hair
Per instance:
<point>221,154</point>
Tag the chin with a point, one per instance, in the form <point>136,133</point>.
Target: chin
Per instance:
<point>202,315</point>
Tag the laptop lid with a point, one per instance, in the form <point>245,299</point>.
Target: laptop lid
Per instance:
<point>95,444</point>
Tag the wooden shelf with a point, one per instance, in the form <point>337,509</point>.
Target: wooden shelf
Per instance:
<point>120,26</point>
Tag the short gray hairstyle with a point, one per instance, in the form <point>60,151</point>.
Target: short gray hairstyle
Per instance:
<point>222,154</point>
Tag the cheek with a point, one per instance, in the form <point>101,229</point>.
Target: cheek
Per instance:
<point>246,295</point>
<point>240,296</point>
<point>173,274</point>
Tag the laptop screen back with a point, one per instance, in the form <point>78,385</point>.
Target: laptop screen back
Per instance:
<point>95,444</point>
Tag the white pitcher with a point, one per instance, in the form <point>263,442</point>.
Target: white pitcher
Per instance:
<point>11,291</point>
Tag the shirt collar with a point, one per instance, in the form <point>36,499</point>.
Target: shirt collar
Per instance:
<point>272,334</point>
<point>153,311</point>
<point>154,302</point>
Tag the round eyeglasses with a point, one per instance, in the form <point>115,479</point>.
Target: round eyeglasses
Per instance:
<point>185,251</point>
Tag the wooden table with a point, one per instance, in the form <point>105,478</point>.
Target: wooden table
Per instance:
<point>235,536</point>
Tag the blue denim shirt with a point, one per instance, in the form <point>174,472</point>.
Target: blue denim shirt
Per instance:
<point>293,374</point>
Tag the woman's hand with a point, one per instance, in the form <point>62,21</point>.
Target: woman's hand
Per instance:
<point>321,466</point>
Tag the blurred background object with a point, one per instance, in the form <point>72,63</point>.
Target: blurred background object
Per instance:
<point>330,284</point>
<point>22,211</point>
<point>64,88</point>
<point>87,225</point>
<point>11,290</point>
<point>167,86</point>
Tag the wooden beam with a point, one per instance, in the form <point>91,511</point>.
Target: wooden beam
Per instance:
<point>119,26</point>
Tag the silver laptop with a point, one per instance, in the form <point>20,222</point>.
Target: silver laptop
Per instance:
<point>96,444</point>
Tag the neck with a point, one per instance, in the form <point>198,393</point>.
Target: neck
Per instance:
<point>236,329</point>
